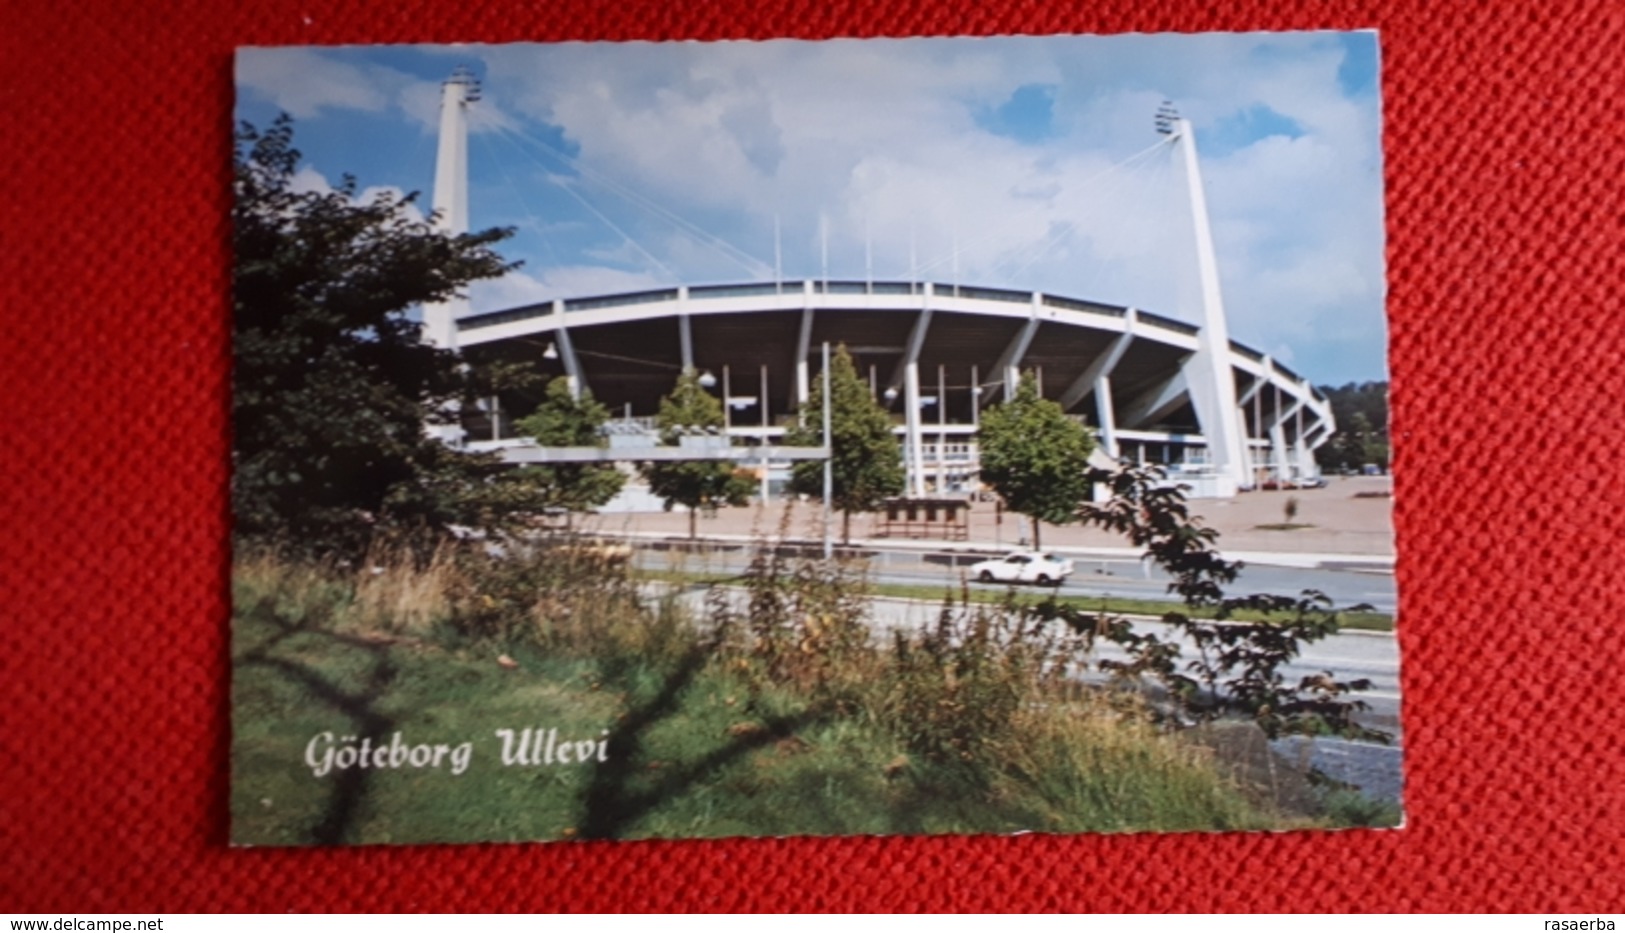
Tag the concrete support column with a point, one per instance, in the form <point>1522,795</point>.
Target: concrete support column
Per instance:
<point>804,346</point>
<point>911,352</point>
<point>1102,365</point>
<point>1258,422</point>
<point>1254,428</point>
<point>727,400</point>
<point>1249,470</point>
<point>572,364</point>
<point>1278,451</point>
<point>767,415</point>
<point>1108,419</point>
<point>767,418</point>
<point>685,340</point>
<point>975,397</point>
<point>1008,366</point>
<point>911,403</point>
<point>1303,457</point>
<point>1283,453</point>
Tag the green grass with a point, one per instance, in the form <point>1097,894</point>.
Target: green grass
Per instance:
<point>1368,621</point>
<point>701,743</point>
<point>1350,808</point>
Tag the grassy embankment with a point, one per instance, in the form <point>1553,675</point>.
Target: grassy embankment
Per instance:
<point>774,714</point>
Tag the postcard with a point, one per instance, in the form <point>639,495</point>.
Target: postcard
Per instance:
<point>890,436</point>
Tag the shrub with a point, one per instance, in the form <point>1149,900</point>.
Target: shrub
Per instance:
<point>1237,667</point>
<point>953,690</point>
<point>806,623</point>
<point>562,593</point>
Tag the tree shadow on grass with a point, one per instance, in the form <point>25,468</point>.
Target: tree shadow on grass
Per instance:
<point>612,804</point>
<point>350,784</point>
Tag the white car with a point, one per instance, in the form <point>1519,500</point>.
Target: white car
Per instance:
<point>1023,567</point>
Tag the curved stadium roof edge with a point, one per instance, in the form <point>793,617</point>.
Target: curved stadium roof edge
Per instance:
<point>847,294</point>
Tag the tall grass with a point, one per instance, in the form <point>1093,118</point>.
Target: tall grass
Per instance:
<point>300,593</point>
<point>771,708</point>
<point>396,592</point>
<point>563,594</point>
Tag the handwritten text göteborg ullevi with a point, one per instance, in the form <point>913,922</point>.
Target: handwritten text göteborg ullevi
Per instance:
<point>326,752</point>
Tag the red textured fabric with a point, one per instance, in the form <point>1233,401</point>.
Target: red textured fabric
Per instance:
<point>1503,153</point>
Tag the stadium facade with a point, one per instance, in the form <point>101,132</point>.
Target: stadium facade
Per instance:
<point>1220,416</point>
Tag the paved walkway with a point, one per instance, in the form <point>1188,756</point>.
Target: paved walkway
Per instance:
<point>1341,525</point>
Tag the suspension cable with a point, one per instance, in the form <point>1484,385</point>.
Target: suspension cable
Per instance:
<point>754,266</point>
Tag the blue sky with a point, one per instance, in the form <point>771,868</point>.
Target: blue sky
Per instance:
<point>1023,162</point>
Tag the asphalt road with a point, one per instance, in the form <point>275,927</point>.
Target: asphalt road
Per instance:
<point>1090,577</point>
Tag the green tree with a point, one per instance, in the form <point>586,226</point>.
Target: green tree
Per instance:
<point>693,484</point>
<point>332,386</point>
<point>1035,457</point>
<point>866,462</point>
<point>1361,412</point>
<point>1237,664</point>
<point>1354,440</point>
<point>563,420</point>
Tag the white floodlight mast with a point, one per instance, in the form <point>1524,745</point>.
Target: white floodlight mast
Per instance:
<point>1212,387</point>
<point>451,195</point>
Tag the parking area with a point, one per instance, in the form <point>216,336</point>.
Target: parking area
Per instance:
<point>1350,515</point>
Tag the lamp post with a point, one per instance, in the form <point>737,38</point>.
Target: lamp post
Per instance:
<point>765,426</point>
<point>829,458</point>
<point>942,429</point>
<point>975,464</point>
<point>909,464</point>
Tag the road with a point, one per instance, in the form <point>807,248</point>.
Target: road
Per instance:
<point>1349,655</point>
<point>1093,576</point>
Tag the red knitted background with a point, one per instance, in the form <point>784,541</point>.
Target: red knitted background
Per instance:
<point>1503,145</point>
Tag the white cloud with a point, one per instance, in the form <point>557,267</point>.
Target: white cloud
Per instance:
<point>372,193</point>
<point>304,81</point>
<point>882,139</point>
<point>519,288</point>
<point>307,180</point>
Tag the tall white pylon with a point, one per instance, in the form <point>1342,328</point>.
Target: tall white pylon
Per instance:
<point>451,217</point>
<point>1208,373</point>
<point>451,194</point>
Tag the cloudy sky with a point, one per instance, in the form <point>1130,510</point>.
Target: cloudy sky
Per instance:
<point>1019,162</point>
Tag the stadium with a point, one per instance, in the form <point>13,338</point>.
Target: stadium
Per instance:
<point>1220,416</point>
